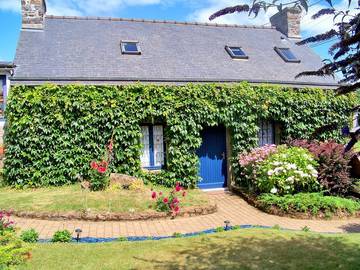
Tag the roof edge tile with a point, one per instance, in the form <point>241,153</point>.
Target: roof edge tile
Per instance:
<point>157,21</point>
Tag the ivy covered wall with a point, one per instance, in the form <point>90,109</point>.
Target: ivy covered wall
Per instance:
<point>53,132</point>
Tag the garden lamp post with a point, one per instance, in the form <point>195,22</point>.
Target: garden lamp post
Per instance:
<point>227,225</point>
<point>78,233</point>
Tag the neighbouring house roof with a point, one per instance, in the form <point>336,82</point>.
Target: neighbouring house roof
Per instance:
<point>6,67</point>
<point>87,50</point>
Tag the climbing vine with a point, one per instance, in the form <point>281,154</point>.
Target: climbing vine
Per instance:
<point>53,132</point>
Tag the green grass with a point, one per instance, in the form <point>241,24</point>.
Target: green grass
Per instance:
<point>72,198</point>
<point>241,249</point>
<point>310,203</point>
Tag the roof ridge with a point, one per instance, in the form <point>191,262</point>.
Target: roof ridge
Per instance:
<point>157,21</point>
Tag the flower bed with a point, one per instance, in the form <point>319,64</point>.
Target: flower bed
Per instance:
<point>296,180</point>
<point>72,202</point>
<point>302,205</point>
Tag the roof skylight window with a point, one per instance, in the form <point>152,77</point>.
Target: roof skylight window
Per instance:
<point>236,52</point>
<point>287,55</point>
<point>130,47</point>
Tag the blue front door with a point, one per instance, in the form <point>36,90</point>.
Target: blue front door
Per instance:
<point>212,156</point>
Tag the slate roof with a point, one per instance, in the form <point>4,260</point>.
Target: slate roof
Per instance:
<point>87,50</point>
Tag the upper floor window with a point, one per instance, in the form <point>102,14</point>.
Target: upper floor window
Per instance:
<point>287,55</point>
<point>236,52</point>
<point>130,47</point>
<point>266,133</point>
<point>152,146</point>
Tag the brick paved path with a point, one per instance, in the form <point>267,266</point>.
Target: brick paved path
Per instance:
<point>230,207</point>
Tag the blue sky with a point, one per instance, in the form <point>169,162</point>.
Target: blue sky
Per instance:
<point>180,10</point>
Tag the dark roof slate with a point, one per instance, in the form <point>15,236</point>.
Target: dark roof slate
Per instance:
<point>73,49</point>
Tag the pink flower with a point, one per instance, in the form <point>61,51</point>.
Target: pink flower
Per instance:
<point>166,200</point>
<point>177,188</point>
<point>175,200</point>
<point>177,209</point>
<point>153,195</point>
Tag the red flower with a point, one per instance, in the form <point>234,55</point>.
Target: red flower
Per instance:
<point>101,170</point>
<point>160,193</point>
<point>153,195</point>
<point>177,209</point>
<point>94,165</point>
<point>177,188</point>
<point>166,200</point>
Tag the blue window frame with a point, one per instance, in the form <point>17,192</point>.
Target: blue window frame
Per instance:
<point>266,133</point>
<point>153,148</point>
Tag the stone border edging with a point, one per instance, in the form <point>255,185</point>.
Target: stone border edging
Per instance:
<point>150,215</point>
<point>296,215</point>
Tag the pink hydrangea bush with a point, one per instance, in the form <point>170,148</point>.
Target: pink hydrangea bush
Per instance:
<point>171,202</point>
<point>256,155</point>
<point>249,162</point>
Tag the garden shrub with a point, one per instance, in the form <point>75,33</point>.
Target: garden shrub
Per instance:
<point>12,251</point>
<point>280,170</point>
<point>62,237</point>
<point>53,132</point>
<point>334,169</point>
<point>171,202</point>
<point>30,236</point>
<point>311,203</point>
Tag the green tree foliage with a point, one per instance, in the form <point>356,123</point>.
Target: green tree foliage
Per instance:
<point>53,132</point>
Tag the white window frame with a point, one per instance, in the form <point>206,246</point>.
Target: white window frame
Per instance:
<point>153,152</point>
<point>123,48</point>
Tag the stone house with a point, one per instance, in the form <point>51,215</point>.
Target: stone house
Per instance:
<point>113,51</point>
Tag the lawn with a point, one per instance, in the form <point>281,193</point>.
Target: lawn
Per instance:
<point>243,249</point>
<point>72,198</point>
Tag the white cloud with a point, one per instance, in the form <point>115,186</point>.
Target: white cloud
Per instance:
<point>308,25</point>
<point>10,5</point>
<point>203,15</point>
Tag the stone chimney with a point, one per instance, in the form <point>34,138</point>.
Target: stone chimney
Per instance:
<point>287,22</point>
<point>33,14</point>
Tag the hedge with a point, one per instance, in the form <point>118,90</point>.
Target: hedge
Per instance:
<point>54,131</point>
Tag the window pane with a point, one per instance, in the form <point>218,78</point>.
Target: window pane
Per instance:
<point>288,54</point>
<point>237,51</point>
<point>158,146</point>
<point>266,133</point>
<point>130,47</point>
<point>145,157</point>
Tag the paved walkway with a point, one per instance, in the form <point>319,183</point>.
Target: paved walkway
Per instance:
<point>230,207</point>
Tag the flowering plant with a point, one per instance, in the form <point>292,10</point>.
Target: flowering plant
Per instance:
<point>170,203</point>
<point>249,161</point>
<point>99,170</point>
<point>5,223</point>
<point>288,171</point>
